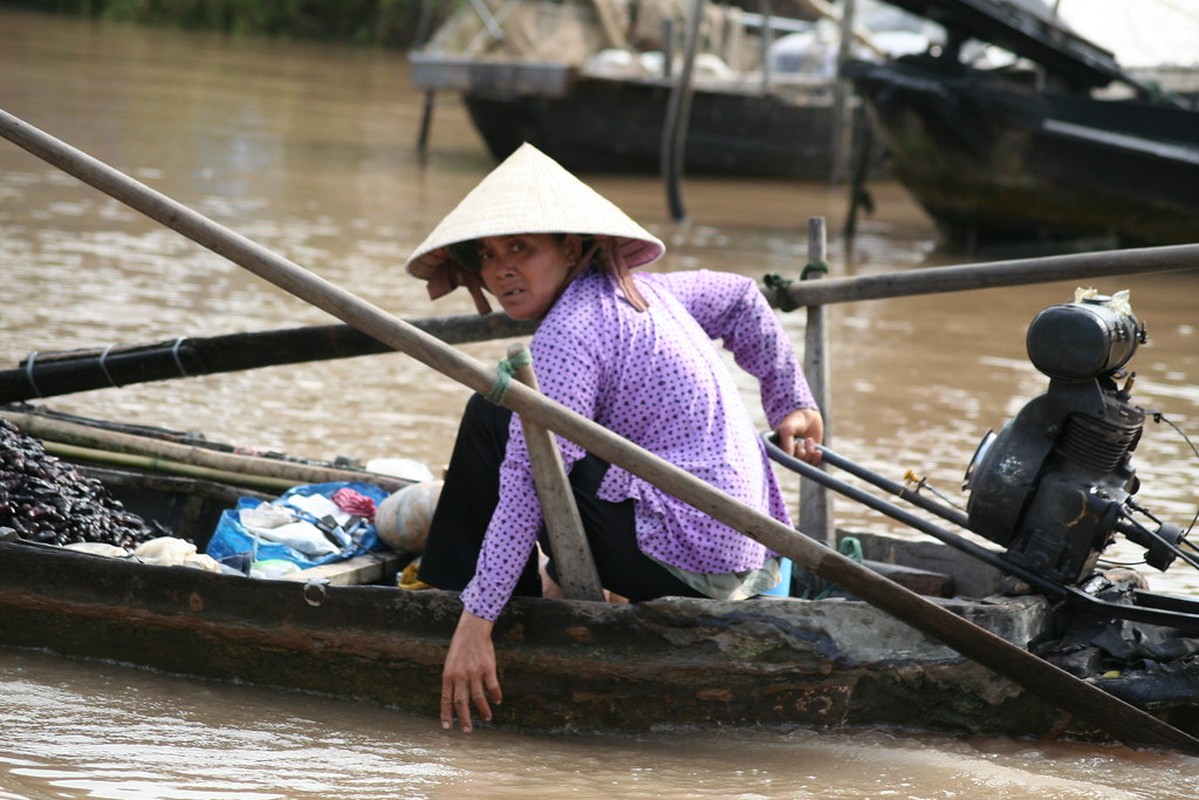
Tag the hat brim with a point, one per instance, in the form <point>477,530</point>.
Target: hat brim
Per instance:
<point>531,193</point>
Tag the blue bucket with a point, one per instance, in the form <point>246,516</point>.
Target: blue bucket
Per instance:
<point>783,587</point>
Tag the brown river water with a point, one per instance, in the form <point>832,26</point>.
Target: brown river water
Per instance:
<point>309,150</point>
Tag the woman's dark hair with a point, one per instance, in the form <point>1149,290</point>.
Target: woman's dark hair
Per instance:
<point>467,253</point>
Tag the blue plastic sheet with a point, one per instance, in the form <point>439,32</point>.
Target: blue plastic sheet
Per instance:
<point>232,543</point>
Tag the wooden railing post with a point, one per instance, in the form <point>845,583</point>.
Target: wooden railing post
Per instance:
<point>843,108</point>
<point>572,555</point>
<point>815,503</point>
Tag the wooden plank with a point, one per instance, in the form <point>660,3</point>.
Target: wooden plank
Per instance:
<point>465,74</point>
<point>369,568</point>
<point>920,581</point>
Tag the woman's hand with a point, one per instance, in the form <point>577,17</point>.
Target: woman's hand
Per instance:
<point>469,675</point>
<point>800,432</point>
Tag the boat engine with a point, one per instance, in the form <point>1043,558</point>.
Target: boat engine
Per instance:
<point>1055,484</point>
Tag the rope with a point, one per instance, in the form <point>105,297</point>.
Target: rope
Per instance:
<point>178,360</point>
<point>503,375</point>
<point>29,374</point>
<point>850,547</point>
<point>1160,418</point>
<point>782,298</point>
<point>780,285</point>
<point>812,268</point>
<point>104,367</point>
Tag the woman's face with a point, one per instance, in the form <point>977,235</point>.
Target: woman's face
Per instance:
<point>526,272</point>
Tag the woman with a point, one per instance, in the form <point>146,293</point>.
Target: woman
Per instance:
<point>635,355</point>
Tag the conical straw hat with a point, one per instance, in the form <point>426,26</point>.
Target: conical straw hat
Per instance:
<point>531,193</point>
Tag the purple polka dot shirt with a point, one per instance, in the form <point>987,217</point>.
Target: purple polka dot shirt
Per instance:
<point>658,379</point>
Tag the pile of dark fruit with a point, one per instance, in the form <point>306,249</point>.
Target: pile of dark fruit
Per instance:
<point>46,500</point>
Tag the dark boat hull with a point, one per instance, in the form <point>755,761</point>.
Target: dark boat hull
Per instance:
<point>990,160</point>
<point>565,665</point>
<point>569,665</point>
<point>604,125</point>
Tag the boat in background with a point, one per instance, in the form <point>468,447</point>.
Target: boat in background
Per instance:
<point>590,83</point>
<point>1055,142</point>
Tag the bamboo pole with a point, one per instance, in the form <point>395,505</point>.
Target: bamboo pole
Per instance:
<point>50,374</point>
<point>993,274</point>
<point>572,554</point>
<point>92,455</point>
<point>97,439</point>
<point>424,25</point>
<point>1052,684</point>
<point>843,107</point>
<point>815,503</point>
<point>678,118</point>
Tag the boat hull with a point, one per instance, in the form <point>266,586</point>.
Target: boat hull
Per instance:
<point>603,125</point>
<point>565,665</point>
<point>992,161</point>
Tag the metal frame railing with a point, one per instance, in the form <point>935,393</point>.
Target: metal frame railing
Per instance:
<point>814,294</point>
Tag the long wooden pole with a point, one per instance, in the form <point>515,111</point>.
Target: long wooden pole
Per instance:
<point>678,118</point>
<point>51,374</point>
<point>98,440</point>
<point>63,373</point>
<point>72,452</point>
<point>1057,687</point>
<point>994,274</point>
<point>815,502</point>
<point>573,559</point>
<point>843,105</point>
<point>826,9</point>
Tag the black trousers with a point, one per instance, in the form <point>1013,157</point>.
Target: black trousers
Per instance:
<point>469,498</point>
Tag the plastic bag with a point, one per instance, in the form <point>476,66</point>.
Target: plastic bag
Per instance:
<point>302,526</point>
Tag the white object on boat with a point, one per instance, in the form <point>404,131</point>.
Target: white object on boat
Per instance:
<point>402,520</point>
<point>170,551</point>
<point>97,549</point>
<point>301,536</point>
<point>265,515</point>
<point>408,469</point>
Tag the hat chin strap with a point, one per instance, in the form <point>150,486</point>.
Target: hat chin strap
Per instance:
<point>475,287</point>
<point>449,276</point>
<point>618,268</point>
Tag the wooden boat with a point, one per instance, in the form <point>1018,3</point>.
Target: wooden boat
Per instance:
<point>608,124</point>
<point>756,662</point>
<point>594,92</point>
<point>1033,151</point>
<point>346,629</point>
